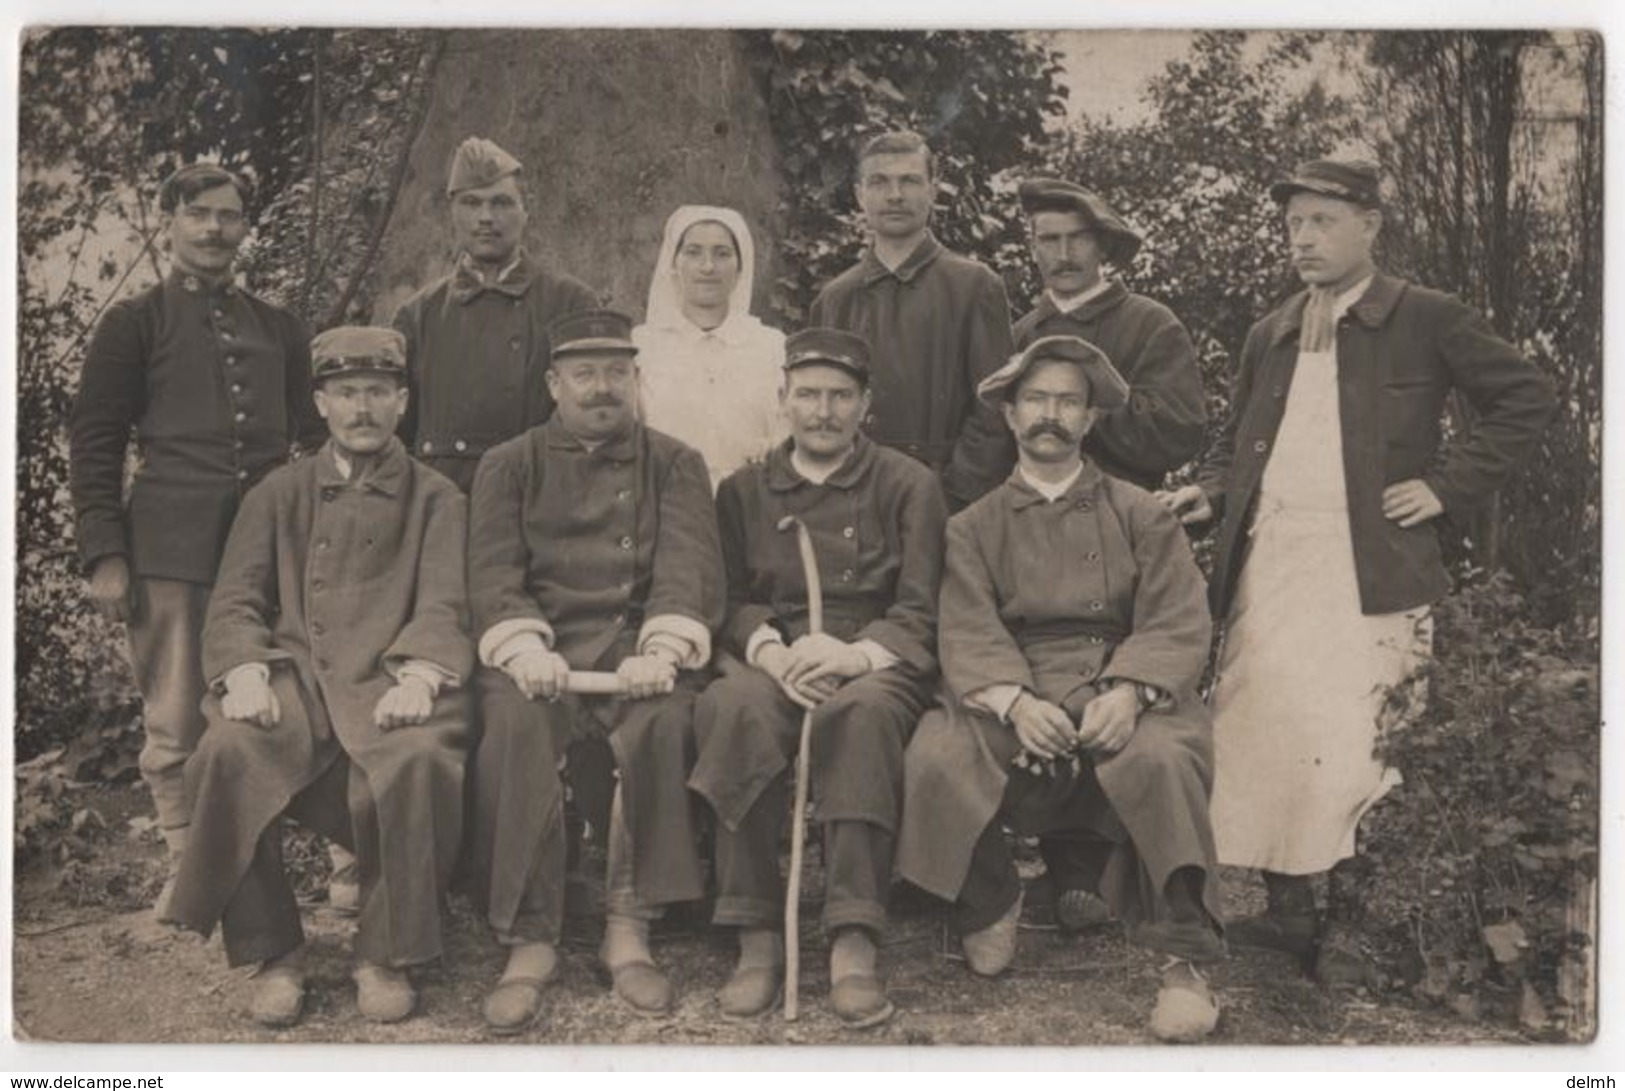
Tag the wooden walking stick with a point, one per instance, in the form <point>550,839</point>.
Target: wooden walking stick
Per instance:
<point>798,832</point>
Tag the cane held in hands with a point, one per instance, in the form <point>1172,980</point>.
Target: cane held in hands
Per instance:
<point>798,831</point>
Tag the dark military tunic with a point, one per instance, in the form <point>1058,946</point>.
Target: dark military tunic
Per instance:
<point>478,352</point>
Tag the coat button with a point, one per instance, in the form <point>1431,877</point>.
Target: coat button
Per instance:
<point>427,447</point>
<point>329,493</point>
<point>318,585</point>
<point>846,576</point>
<point>322,543</point>
<point>236,388</point>
<point>1279,392</point>
<point>460,446</point>
<point>626,541</point>
<point>1260,446</point>
<point>515,344</point>
<point>1084,505</point>
<point>241,416</point>
<point>623,494</point>
<point>318,628</point>
<point>1096,640</point>
<point>238,444</point>
<point>618,618</point>
<point>1097,605</point>
<point>231,361</point>
<point>848,532</point>
<point>227,335</point>
<point>242,475</point>
<point>1091,556</point>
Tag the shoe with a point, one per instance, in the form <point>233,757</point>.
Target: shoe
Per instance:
<point>1186,1011</point>
<point>513,1005</point>
<point>1289,933</point>
<point>860,1001</point>
<point>383,993</point>
<point>752,990</point>
<point>1185,940</point>
<point>990,950</point>
<point>1341,960</point>
<point>344,888</point>
<point>642,987</point>
<point>1080,910</point>
<point>279,996</point>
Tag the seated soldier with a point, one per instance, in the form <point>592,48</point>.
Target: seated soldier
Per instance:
<point>336,645</point>
<point>592,547</point>
<point>875,517</point>
<point>1074,629</point>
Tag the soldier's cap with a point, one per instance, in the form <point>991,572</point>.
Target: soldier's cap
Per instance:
<point>1107,388</point>
<point>1356,181</point>
<point>1118,240</point>
<point>479,162</point>
<point>357,350</point>
<point>592,331</point>
<point>822,345</point>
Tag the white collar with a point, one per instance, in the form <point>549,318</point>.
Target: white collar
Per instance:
<point>1070,303</point>
<point>1051,491</point>
<point>815,474</point>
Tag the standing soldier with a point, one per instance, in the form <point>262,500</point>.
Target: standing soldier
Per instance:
<point>477,340</point>
<point>875,518</point>
<point>936,323</point>
<point>592,547</point>
<point>1328,477</point>
<point>1073,234</point>
<point>215,384</point>
<point>337,646</point>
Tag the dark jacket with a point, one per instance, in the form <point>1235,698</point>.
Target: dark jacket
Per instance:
<point>1401,349</point>
<point>478,355</point>
<point>936,327</point>
<point>215,383</point>
<point>1160,429</point>
<point>876,526</point>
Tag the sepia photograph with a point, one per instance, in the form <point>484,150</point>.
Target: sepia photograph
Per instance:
<point>835,537</point>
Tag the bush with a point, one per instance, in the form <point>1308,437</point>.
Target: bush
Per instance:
<point>1488,852</point>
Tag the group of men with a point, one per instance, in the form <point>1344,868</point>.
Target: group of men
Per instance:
<point>488,575</point>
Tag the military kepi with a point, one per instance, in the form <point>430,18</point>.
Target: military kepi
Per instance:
<point>357,350</point>
<point>820,345</point>
<point>592,331</point>
<point>1108,389</point>
<point>1118,241</point>
<point>479,162</point>
<point>1354,180</point>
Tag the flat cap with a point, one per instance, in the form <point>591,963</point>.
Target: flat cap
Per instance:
<point>831,347</point>
<point>479,162</point>
<point>1354,180</point>
<point>357,350</point>
<point>1118,240</point>
<point>1108,389</point>
<point>592,331</point>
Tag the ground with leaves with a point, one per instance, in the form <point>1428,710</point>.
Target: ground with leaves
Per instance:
<point>91,965</point>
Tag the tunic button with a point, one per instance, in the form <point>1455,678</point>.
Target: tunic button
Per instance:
<point>1279,392</point>
<point>846,577</point>
<point>1096,640</point>
<point>618,618</point>
<point>318,585</point>
<point>460,446</point>
<point>238,444</point>
<point>514,343</point>
<point>318,628</point>
<point>329,493</point>
<point>1097,605</point>
<point>231,361</point>
<point>241,416</point>
<point>236,388</point>
<point>242,475</point>
<point>1261,446</point>
<point>623,494</point>
<point>1084,505</point>
<point>226,335</point>
<point>322,543</point>
<point>848,532</point>
<point>1091,556</point>
<point>428,447</point>
<point>626,542</point>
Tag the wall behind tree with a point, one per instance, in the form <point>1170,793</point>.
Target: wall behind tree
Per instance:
<point>616,129</point>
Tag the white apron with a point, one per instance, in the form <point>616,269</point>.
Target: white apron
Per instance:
<point>1298,704</point>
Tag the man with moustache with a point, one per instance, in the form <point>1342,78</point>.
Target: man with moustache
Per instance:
<point>592,547</point>
<point>336,649</point>
<point>1328,478</point>
<point>214,382</point>
<point>1073,634</point>
<point>1073,235</point>
<point>936,323</point>
<point>875,517</point>
<point>477,340</point>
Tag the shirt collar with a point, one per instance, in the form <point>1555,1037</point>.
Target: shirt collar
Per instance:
<point>782,475</point>
<point>620,449</point>
<point>1080,489</point>
<point>1050,491</point>
<point>192,284</point>
<point>387,476</point>
<point>1071,303</point>
<point>874,270</point>
<point>468,281</point>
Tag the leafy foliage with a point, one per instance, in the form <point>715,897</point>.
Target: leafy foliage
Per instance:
<point>1488,852</point>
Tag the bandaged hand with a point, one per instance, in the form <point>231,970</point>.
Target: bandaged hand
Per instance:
<point>538,673</point>
<point>248,697</point>
<point>409,701</point>
<point>647,675</point>
<point>1110,719</point>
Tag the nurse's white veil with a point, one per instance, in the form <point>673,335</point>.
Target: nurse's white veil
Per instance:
<point>665,299</point>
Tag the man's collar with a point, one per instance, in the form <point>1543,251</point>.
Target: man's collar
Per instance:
<point>468,281</point>
<point>924,254</point>
<point>782,475</point>
<point>1082,488</point>
<point>387,475</point>
<point>1073,303</point>
<point>1103,297</point>
<point>196,284</point>
<point>622,448</point>
<point>1371,310</point>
